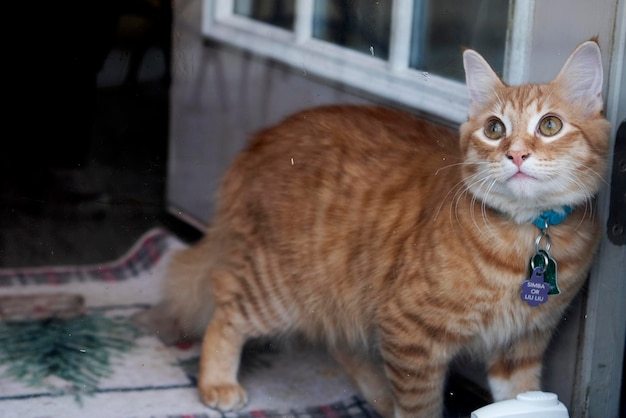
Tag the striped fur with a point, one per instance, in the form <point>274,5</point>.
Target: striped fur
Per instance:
<point>395,243</point>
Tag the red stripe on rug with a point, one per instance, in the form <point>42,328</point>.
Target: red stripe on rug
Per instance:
<point>152,251</point>
<point>152,238</point>
<point>107,274</point>
<point>52,277</point>
<point>329,412</point>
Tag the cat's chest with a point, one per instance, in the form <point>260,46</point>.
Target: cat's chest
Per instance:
<point>486,277</point>
<point>536,261</point>
<point>536,294</point>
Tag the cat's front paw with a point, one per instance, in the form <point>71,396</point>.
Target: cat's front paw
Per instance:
<point>227,397</point>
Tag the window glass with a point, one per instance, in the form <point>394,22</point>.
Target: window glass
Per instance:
<point>441,28</point>
<point>278,13</point>
<point>361,25</point>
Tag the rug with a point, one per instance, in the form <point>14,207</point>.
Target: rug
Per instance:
<point>68,348</point>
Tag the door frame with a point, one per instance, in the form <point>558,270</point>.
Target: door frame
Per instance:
<point>603,334</point>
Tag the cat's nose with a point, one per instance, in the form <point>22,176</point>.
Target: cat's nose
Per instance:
<point>518,157</point>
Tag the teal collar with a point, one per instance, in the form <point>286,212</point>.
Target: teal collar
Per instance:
<point>552,217</point>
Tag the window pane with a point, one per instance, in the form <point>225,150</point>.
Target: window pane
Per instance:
<point>274,12</point>
<point>362,25</point>
<point>441,28</point>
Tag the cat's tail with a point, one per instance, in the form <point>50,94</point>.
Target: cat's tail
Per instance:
<point>187,291</point>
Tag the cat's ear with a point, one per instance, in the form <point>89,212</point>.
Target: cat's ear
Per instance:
<point>481,81</point>
<point>581,77</point>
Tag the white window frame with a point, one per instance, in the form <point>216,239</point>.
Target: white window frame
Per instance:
<point>394,79</point>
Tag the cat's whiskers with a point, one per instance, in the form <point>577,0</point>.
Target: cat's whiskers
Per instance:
<point>473,203</point>
<point>578,167</point>
<point>459,192</point>
<point>455,188</point>
<point>584,168</point>
<point>479,179</point>
<point>500,102</point>
<point>484,206</point>
<point>458,164</point>
<point>546,97</point>
<point>569,179</point>
<point>588,214</point>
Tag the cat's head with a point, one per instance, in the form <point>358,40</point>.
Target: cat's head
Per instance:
<point>535,147</point>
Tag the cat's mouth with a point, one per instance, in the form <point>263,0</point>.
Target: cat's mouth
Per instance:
<point>520,175</point>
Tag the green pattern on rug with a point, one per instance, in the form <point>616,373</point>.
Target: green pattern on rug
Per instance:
<point>79,350</point>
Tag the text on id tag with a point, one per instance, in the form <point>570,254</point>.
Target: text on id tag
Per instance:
<point>535,291</point>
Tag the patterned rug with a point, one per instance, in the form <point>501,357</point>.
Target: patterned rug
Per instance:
<point>68,348</point>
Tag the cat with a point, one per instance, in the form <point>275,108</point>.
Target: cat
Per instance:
<point>400,243</point>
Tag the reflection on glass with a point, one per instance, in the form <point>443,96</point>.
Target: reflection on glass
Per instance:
<point>278,13</point>
<point>361,25</point>
<point>442,28</point>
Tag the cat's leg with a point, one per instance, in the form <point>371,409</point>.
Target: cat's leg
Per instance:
<point>219,362</point>
<point>368,375</point>
<point>517,368</point>
<point>416,370</point>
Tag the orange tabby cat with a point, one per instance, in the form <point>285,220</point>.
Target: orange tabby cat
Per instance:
<point>399,245</point>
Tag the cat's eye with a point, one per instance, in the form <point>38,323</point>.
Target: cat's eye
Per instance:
<point>494,129</point>
<point>550,125</point>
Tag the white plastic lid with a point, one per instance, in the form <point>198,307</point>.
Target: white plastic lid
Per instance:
<point>539,398</point>
<point>525,405</point>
